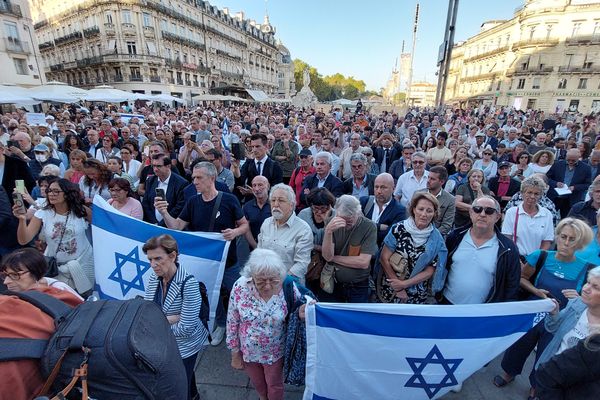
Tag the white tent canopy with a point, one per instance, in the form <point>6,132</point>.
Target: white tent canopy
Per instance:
<point>166,98</point>
<point>57,91</point>
<point>344,102</point>
<point>258,95</point>
<point>210,97</point>
<point>11,94</point>
<point>109,94</point>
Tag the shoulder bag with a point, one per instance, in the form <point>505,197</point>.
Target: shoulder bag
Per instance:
<point>51,260</point>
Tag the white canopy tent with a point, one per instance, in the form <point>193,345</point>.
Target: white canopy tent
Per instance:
<point>57,91</point>
<point>210,97</point>
<point>344,102</point>
<point>109,94</point>
<point>11,94</point>
<point>166,98</point>
<point>258,95</point>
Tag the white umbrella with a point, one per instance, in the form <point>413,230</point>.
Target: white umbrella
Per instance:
<point>235,98</point>
<point>210,97</point>
<point>57,91</point>
<point>109,94</point>
<point>166,98</point>
<point>12,94</point>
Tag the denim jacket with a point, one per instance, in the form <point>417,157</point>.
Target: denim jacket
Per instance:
<point>435,246</point>
<point>560,325</point>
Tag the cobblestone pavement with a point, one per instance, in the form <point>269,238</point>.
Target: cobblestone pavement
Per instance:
<point>218,381</point>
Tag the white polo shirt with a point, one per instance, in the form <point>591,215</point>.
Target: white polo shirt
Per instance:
<point>530,230</point>
<point>408,184</point>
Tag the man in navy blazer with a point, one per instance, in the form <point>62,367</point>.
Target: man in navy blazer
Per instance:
<point>171,183</point>
<point>571,174</point>
<point>594,163</point>
<point>384,200</point>
<point>322,178</point>
<point>388,151</point>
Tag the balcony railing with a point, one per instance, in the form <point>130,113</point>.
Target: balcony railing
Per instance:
<point>10,9</point>
<point>128,29</point>
<point>56,67</point>
<point>530,70</point>
<point>182,40</point>
<point>155,79</point>
<point>536,42</point>
<point>487,53</point>
<point>583,39</point>
<point>46,45</point>
<point>579,70</point>
<point>135,78</point>
<point>71,37</point>
<point>16,46</point>
<point>118,78</point>
<point>91,32</point>
<point>479,77</point>
<point>179,82</point>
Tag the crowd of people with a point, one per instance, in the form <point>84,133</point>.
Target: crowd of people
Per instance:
<point>459,206</point>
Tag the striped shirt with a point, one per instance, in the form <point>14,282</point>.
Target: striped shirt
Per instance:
<point>189,332</point>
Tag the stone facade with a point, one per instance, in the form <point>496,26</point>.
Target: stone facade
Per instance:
<point>545,57</point>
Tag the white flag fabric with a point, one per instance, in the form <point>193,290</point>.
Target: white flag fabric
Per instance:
<point>409,352</point>
<point>122,269</point>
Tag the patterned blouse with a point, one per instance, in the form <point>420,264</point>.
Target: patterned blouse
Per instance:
<point>254,326</point>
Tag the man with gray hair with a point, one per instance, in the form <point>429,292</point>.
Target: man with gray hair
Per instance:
<point>349,242</point>
<point>285,233</point>
<point>413,180</point>
<point>360,183</point>
<point>322,178</point>
<point>483,265</point>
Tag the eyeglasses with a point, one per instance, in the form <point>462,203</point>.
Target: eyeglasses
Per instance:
<point>15,276</point>
<point>264,281</point>
<point>487,210</point>
<point>115,189</point>
<point>418,162</point>
<point>54,191</point>
<point>320,209</point>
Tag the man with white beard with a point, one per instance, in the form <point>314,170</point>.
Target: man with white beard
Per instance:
<point>285,233</point>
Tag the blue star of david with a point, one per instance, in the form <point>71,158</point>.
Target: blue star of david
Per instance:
<point>434,357</point>
<point>140,266</point>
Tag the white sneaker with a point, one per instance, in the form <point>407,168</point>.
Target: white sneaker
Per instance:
<point>457,388</point>
<point>217,336</point>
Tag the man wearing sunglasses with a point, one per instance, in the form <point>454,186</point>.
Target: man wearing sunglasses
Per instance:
<point>483,265</point>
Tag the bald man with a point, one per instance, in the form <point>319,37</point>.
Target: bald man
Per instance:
<point>571,174</point>
<point>382,208</point>
<point>258,209</point>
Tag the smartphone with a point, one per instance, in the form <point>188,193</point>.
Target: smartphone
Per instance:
<point>18,200</point>
<point>20,185</point>
<point>161,193</point>
<point>11,143</point>
<point>147,151</point>
<point>193,137</point>
<point>238,151</point>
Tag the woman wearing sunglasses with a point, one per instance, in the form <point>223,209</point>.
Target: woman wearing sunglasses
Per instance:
<point>556,274</point>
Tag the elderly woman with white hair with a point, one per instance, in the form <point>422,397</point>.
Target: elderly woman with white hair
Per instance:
<point>285,233</point>
<point>256,321</point>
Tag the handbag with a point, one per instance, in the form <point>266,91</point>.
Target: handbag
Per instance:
<point>315,267</point>
<point>399,265</point>
<point>51,260</point>
<point>294,360</point>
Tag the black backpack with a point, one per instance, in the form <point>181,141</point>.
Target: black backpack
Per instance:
<point>120,349</point>
<point>204,314</point>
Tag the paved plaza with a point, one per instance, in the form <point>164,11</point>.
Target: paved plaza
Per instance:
<point>218,381</point>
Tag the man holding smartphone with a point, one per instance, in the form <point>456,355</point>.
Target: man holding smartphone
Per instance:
<point>13,169</point>
<point>166,185</point>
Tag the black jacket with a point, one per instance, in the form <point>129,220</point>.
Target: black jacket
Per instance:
<point>15,168</point>
<point>393,213</point>
<point>394,153</point>
<point>582,178</point>
<point>332,183</point>
<point>271,170</point>
<point>175,196</point>
<point>348,184</point>
<point>508,267</point>
<point>8,233</point>
<point>573,374</point>
<point>584,210</point>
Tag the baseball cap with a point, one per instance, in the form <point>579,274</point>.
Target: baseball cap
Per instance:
<point>305,152</point>
<point>504,164</point>
<point>41,147</point>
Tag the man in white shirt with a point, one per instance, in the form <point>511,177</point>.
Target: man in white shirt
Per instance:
<point>285,233</point>
<point>411,181</point>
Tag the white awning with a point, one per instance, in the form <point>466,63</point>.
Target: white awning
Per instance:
<point>258,95</point>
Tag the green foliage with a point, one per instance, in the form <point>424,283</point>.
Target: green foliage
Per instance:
<point>399,98</point>
<point>331,87</point>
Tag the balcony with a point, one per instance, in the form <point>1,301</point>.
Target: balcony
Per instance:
<point>179,82</point>
<point>536,42</point>
<point>226,54</point>
<point>71,37</point>
<point>132,58</point>
<point>46,45</point>
<point>182,40</point>
<point>171,81</point>
<point>480,77</point>
<point>487,53</point>
<point>16,46</point>
<point>584,39</point>
<point>196,83</point>
<point>11,9</point>
<point>56,67</point>
<point>90,61</point>
<point>188,83</point>
<point>110,29</point>
<point>91,32</point>
<point>135,78</point>
<point>118,78</point>
<point>128,29</point>
<point>530,71</point>
<point>155,79</point>
<point>149,32</point>
<point>579,70</point>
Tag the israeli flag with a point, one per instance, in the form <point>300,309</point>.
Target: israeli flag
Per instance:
<point>122,269</point>
<point>409,352</point>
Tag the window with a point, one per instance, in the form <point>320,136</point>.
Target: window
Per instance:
<point>548,31</point>
<point>126,16</point>
<point>147,19</point>
<point>596,32</point>
<point>135,72</point>
<point>109,19</point>
<point>131,49</point>
<point>499,85</point>
<point>587,65</point>
<point>582,83</point>
<point>576,28</point>
<point>562,83</point>
<point>595,106</point>
<point>20,66</point>
<point>573,105</point>
<point>521,84</point>
<point>153,72</point>
<point>536,83</point>
<point>11,32</point>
